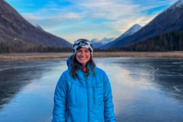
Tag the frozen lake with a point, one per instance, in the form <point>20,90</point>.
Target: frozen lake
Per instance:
<point>144,89</point>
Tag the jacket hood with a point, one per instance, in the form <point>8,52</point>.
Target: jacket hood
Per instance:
<point>69,62</point>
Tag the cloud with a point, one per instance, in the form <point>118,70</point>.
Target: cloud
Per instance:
<point>118,9</point>
<point>81,18</point>
<point>124,13</point>
<point>58,16</point>
<point>31,17</point>
<point>123,25</point>
<point>73,16</point>
<point>109,10</point>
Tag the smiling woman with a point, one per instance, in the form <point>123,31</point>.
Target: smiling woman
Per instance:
<point>83,92</point>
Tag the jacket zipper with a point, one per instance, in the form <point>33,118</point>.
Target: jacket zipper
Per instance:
<point>93,95</point>
<point>87,97</point>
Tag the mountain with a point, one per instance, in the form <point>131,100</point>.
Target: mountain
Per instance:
<point>177,4</point>
<point>95,40</point>
<point>38,27</point>
<point>107,40</point>
<point>15,29</point>
<point>129,32</point>
<point>98,43</point>
<point>169,20</point>
<point>171,41</point>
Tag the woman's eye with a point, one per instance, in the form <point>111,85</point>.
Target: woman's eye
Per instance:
<point>79,50</point>
<point>86,51</point>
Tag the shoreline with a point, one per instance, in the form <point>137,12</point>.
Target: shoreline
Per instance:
<point>27,56</point>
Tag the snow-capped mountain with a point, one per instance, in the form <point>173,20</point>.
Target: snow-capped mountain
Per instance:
<point>95,40</point>
<point>169,20</point>
<point>98,43</point>
<point>107,40</point>
<point>129,32</point>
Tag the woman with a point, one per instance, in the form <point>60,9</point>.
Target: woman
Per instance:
<point>83,92</point>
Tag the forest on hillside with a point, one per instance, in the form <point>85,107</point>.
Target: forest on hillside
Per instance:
<point>32,49</point>
<point>9,44</point>
<point>172,41</point>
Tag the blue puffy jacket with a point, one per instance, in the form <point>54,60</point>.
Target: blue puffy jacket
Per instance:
<point>84,99</point>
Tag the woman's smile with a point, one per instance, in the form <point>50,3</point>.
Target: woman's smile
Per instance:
<point>83,56</point>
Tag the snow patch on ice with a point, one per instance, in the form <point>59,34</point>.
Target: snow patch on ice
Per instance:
<point>151,75</point>
<point>177,63</point>
<point>175,87</point>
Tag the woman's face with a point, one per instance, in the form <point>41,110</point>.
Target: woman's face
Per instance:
<point>83,56</point>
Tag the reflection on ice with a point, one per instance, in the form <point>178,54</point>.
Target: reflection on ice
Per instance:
<point>144,89</point>
<point>26,93</point>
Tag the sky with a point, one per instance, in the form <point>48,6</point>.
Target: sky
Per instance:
<point>89,19</point>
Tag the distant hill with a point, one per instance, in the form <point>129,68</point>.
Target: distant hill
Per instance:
<point>169,20</point>
<point>14,29</point>
<point>171,41</point>
<point>129,32</point>
<point>98,43</point>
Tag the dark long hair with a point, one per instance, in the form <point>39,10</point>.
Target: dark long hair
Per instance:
<point>76,65</point>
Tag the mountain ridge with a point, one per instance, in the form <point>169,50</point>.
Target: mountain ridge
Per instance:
<point>14,25</point>
<point>164,22</point>
<point>97,43</point>
<point>133,29</point>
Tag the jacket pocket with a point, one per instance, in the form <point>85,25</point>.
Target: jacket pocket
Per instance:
<point>73,97</point>
<point>97,112</point>
<point>97,95</point>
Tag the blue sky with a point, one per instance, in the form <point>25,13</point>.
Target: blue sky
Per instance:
<point>74,19</point>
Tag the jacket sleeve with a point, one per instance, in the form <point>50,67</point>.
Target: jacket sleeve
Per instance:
<point>108,104</point>
<point>59,110</point>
